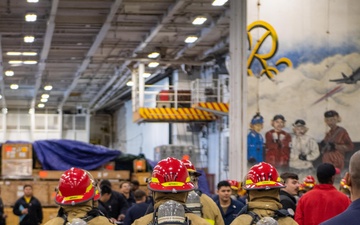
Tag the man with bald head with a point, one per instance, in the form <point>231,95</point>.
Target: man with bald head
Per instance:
<point>352,178</point>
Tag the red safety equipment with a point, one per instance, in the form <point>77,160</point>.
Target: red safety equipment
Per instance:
<point>190,167</point>
<point>309,181</point>
<point>235,185</point>
<point>75,186</point>
<point>170,175</point>
<point>262,176</point>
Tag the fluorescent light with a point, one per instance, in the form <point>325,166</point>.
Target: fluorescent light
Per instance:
<point>48,88</point>
<point>41,105</point>
<point>43,100</point>
<point>153,55</point>
<point>30,17</point>
<point>29,53</point>
<point>219,2</point>
<point>29,39</point>
<point>14,86</point>
<point>0,96</point>
<point>129,83</point>
<point>15,62</point>
<point>191,39</point>
<point>199,20</point>
<point>30,62</point>
<point>9,73</point>
<point>45,96</point>
<point>21,53</point>
<point>13,53</point>
<point>153,64</point>
<point>32,1</point>
<point>146,75</point>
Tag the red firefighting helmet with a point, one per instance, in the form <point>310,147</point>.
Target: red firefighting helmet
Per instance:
<point>235,185</point>
<point>75,186</point>
<point>262,176</point>
<point>170,175</point>
<point>190,167</point>
<point>309,181</point>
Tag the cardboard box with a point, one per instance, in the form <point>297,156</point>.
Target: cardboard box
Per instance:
<point>16,168</point>
<point>16,151</point>
<point>116,174</point>
<point>41,192</point>
<point>141,177</point>
<point>16,161</point>
<point>52,188</point>
<point>50,174</point>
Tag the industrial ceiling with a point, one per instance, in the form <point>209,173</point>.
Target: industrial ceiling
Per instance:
<point>86,49</point>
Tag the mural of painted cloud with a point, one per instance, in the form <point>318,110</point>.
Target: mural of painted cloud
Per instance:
<point>304,59</point>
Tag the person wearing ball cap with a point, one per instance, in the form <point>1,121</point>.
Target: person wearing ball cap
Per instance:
<point>263,185</point>
<point>310,208</point>
<point>77,196</point>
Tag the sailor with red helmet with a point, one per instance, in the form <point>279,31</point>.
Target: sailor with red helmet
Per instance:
<point>77,196</point>
<point>209,209</point>
<point>170,183</point>
<point>263,184</point>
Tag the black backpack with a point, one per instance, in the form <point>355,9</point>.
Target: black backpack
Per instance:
<point>255,217</point>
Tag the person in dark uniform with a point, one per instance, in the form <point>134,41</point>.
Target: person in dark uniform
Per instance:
<point>288,193</point>
<point>138,209</point>
<point>28,208</point>
<point>116,205</point>
<point>229,208</point>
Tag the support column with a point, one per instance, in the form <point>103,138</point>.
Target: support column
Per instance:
<point>238,91</point>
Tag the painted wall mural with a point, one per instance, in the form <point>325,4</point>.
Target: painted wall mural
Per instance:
<point>304,59</point>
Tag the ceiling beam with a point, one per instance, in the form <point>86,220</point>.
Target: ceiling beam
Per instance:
<point>218,46</point>
<point>2,85</point>
<point>45,50</point>
<point>100,37</point>
<point>153,32</point>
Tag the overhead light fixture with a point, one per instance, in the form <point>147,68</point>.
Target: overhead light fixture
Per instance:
<point>129,83</point>
<point>29,53</point>
<point>199,20</point>
<point>32,1</point>
<point>191,39</point>
<point>48,87</point>
<point>41,105</point>
<point>146,75</point>
<point>13,53</point>
<point>14,86</point>
<point>0,96</point>
<point>29,39</point>
<point>21,53</point>
<point>45,96</point>
<point>15,62</point>
<point>43,100</point>
<point>219,2</point>
<point>153,55</point>
<point>30,62</point>
<point>153,64</point>
<point>30,17</point>
<point>9,73</point>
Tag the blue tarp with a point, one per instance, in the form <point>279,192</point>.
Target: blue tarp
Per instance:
<point>64,154</point>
